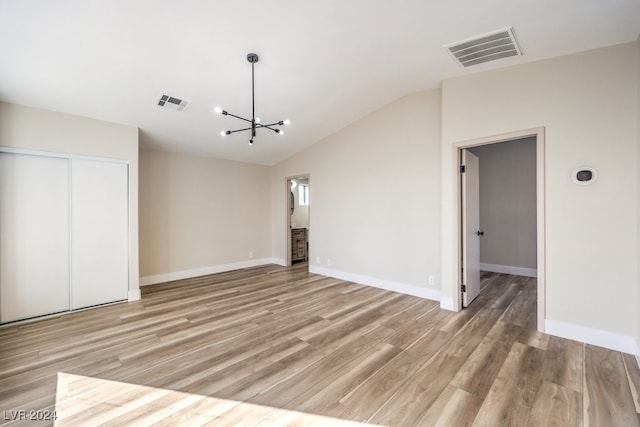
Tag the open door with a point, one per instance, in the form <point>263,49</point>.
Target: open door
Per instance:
<point>470,227</point>
<point>298,219</point>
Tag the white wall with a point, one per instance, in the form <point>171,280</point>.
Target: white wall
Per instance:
<point>588,105</point>
<point>508,204</point>
<point>41,130</point>
<point>201,215</point>
<point>375,192</point>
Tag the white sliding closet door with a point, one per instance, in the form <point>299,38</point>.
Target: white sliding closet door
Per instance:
<point>34,236</point>
<point>99,233</point>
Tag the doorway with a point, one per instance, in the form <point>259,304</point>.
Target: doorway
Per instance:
<point>470,234</point>
<point>298,219</point>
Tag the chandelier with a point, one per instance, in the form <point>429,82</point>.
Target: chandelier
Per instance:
<point>254,122</point>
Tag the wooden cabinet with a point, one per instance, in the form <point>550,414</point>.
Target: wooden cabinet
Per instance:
<point>298,244</point>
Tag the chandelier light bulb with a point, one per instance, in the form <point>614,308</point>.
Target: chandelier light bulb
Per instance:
<point>257,119</point>
<point>218,110</point>
<point>286,122</point>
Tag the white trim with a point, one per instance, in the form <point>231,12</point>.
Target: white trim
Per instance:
<point>134,295</point>
<point>204,271</point>
<point>451,216</point>
<point>637,353</point>
<point>58,314</point>
<point>541,230</point>
<point>446,303</point>
<point>62,155</point>
<point>287,216</point>
<point>388,285</point>
<point>507,269</point>
<point>610,340</point>
<point>279,261</point>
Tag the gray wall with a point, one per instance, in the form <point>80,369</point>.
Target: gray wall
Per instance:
<point>508,203</point>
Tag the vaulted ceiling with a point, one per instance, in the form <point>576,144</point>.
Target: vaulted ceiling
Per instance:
<point>323,64</point>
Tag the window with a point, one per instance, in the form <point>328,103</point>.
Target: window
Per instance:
<point>303,195</point>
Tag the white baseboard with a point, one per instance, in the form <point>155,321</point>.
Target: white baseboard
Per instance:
<point>610,340</point>
<point>446,303</point>
<point>506,269</point>
<point>186,274</point>
<point>279,261</point>
<point>388,285</point>
<point>134,295</point>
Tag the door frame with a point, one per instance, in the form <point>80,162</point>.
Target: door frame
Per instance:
<point>287,225</point>
<point>539,134</point>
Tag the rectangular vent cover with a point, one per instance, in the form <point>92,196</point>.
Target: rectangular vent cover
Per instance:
<point>173,102</point>
<point>485,48</point>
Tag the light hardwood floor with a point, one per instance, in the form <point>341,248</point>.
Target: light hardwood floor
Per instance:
<point>280,346</point>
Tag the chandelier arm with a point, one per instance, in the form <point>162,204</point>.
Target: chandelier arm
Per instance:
<point>270,128</point>
<point>278,123</point>
<point>238,130</point>
<point>238,117</point>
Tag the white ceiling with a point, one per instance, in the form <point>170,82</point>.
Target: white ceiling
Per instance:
<point>323,64</point>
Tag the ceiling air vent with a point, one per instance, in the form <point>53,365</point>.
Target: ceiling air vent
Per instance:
<point>485,48</point>
<point>173,102</point>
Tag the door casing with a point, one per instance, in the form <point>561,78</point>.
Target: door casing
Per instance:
<point>539,134</point>
<point>287,245</point>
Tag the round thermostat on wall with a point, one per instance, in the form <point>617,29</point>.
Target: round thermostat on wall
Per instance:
<point>584,175</point>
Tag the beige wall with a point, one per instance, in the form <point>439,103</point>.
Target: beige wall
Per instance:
<point>508,203</point>
<point>588,104</point>
<point>200,215</point>
<point>41,130</point>
<point>375,197</point>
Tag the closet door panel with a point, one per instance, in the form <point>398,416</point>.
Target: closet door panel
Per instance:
<point>99,235</point>
<point>34,236</point>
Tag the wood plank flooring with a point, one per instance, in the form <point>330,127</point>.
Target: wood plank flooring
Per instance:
<point>281,346</point>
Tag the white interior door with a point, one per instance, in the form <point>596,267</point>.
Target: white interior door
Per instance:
<point>34,236</point>
<point>470,227</point>
<point>100,233</point>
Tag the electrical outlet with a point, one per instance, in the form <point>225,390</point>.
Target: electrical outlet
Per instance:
<point>432,280</point>
<point>328,262</point>
<point>250,254</point>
